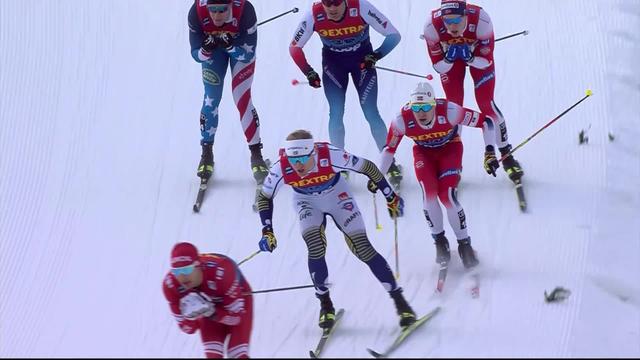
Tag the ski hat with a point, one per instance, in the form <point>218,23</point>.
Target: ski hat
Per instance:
<point>183,254</point>
<point>453,7</point>
<point>218,2</point>
<point>299,147</point>
<point>423,94</point>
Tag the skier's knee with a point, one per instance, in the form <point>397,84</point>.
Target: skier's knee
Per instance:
<point>360,246</point>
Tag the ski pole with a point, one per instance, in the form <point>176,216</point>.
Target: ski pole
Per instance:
<point>294,10</point>
<point>588,93</point>
<point>525,33</point>
<point>395,236</point>
<point>281,289</point>
<point>296,82</point>
<point>428,77</point>
<point>249,257</point>
<point>375,213</point>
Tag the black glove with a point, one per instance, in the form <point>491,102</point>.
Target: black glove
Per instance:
<point>209,44</point>
<point>371,186</point>
<point>225,40</point>
<point>491,164</point>
<point>314,78</point>
<point>370,60</point>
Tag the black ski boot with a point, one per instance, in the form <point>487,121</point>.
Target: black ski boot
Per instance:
<point>205,169</point>
<point>327,312</point>
<point>467,254</point>
<point>258,166</point>
<point>395,175</point>
<point>406,313</point>
<point>442,248</point>
<point>511,166</point>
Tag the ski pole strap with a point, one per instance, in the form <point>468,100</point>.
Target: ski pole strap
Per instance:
<point>294,10</point>
<point>588,93</point>
<point>525,33</point>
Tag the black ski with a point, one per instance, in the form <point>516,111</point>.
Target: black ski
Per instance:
<point>522,201</point>
<point>201,191</point>
<point>326,334</point>
<point>405,334</point>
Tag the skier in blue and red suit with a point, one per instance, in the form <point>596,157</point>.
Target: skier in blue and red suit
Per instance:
<point>343,27</point>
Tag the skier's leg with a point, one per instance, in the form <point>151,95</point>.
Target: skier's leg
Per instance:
<point>335,79</point>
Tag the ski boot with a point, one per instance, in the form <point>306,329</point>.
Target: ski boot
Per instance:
<point>258,166</point>
<point>467,254</point>
<point>205,169</point>
<point>395,175</point>
<point>327,312</point>
<point>406,313</point>
<point>511,166</point>
<point>442,248</point>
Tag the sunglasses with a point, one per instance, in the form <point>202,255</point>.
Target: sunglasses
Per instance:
<point>421,107</point>
<point>302,159</point>
<point>218,8</point>
<point>332,2</point>
<point>185,270</point>
<point>450,21</point>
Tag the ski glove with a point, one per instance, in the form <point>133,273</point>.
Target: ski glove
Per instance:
<point>209,44</point>
<point>225,40</point>
<point>370,60</point>
<point>371,186</point>
<point>195,305</point>
<point>491,164</point>
<point>395,205</point>
<point>268,241</point>
<point>453,53</point>
<point>466,54</point>
<point>314,78</point>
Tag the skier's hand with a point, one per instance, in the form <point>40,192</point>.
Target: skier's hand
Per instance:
<point>314,78</point>
<point>195,305</point>
<point>209,44</point>
<point>370,60</point>
<point>491,164</point>
<point>395,205</point>
<point>225,40</point>
<point>268,241</point>
<point>453,53</point>
<point>466,54</point>
<point>371,186</point>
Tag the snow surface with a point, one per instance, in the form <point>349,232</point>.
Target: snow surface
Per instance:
<point>99,142</point>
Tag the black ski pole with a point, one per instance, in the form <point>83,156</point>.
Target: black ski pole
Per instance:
<point>525,33</point>
<point>294,10</point>
<point>282,289</point>
<point>588,93</point>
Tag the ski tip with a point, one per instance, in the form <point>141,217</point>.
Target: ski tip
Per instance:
<point>374,353</point>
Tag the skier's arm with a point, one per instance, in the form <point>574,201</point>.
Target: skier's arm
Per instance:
<point>457,114</point>
<point>394,137</point>
<point>230,289</point>
<point>434,48</point>
<point>196,36</point>
<point>244,45</point>
<point>342,160</point>
<point>170,290</point>
<point>483,51</point>
<point>270,188</point>
<point>381,24</point>
<point>302,35</point>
